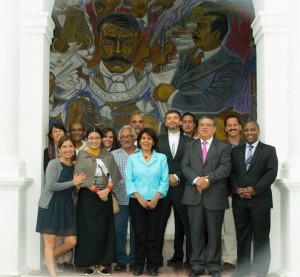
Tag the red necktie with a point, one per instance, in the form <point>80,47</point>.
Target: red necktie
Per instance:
<point>197,60</point>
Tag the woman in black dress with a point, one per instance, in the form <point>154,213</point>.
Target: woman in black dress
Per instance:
<point>56,214</point>
<point>96,245</point>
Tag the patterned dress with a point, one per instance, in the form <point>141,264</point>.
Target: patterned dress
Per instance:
<point>60,217</point>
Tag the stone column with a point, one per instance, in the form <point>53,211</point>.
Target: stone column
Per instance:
<point>13,181</point>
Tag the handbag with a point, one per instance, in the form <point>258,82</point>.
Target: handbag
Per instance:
<point>115,204</point>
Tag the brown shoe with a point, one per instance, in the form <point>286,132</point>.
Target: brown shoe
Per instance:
<point>228,267</point>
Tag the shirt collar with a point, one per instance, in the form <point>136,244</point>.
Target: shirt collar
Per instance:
<point>253,144</point>
<point>210,53</point>
<point>104,71</point>
<point>209,141</point>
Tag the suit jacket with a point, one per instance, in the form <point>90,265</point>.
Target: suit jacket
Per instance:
<point>209,87</point>
<point>261,174</point>
<point>75,25</point>
<point>217,166</point>
<point>174,163</point>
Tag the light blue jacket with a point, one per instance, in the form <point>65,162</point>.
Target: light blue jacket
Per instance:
<point>53,171</point>
<point>147,179</point>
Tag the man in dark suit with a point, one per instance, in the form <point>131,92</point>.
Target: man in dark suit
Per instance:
<point>206,165</point>
<point>254,169</point>
<point>173,146</point>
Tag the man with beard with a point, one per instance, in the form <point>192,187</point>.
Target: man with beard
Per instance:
<point>173,146</point>
<point>232,127</point>
<point>207,76</point>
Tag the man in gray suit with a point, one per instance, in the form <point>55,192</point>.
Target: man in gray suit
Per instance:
<point>206,165</point>
<point>208,75</point>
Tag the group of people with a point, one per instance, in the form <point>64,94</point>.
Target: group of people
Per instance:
<point>186,169</point>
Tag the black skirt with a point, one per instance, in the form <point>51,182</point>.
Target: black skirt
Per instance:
<point>95,230</point>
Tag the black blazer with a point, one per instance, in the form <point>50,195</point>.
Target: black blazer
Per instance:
<point>261,174</point>
<point>174,163</point>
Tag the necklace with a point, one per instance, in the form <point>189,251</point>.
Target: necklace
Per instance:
<point>147,156</point>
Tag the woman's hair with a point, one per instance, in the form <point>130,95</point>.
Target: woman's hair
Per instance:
<point>150,132</point>
<point>115,139</point>
<point>64,139</point>
<point>57,126</point>
<point>94,129</point>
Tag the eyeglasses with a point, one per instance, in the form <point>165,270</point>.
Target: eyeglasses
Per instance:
<point>126,137</point>
<point>93,139</point>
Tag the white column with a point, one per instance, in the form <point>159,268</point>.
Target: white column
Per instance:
<point>290,182</point>
<point>35,38</point>
<point>13,181</point>
<point>270,31</point>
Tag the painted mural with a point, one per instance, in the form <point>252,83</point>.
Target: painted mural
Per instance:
<point>110,58</point>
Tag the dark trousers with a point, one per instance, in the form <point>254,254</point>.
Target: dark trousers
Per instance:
<point>252,223</point>
<point>206,231</point>
<point>181,211</point>
<point>146,233</point>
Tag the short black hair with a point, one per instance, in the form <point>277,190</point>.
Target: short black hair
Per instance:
<point>190,114</point>
<point>253,121</point>
<point>219,24</point>
<point>213,118</point>
<point>172,111</point>
<point>94,129</point>
<point>57,126</point>
<point>151,133</point>
<point>123,20</point>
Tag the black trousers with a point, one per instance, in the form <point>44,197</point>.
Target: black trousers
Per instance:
<point>182,215</point>
<point>145,227</point>
<point>252,223</point>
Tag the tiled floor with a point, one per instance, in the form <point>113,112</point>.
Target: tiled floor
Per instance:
<point>165,271</point>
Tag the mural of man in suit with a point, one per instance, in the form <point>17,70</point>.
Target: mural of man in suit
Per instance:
<point>206,165</point>
<point>207,76</point>
<point>254,169</point>
<point>70,26</point>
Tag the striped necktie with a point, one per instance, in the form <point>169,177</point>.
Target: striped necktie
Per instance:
<point>249,156</point>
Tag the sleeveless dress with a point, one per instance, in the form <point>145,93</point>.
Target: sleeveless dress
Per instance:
<point>60,217</point>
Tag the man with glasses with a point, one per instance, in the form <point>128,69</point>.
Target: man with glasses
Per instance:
<point>206,165</point>
<point>127,139</point>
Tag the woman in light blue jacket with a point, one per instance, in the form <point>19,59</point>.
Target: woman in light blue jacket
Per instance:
<point>147,182</point>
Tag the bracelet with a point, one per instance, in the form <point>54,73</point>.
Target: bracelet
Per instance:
<point>109,187</point>
<point>96,190</point>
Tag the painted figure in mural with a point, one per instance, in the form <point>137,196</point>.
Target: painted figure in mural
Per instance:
<point>70,26</point>
<point>116,81</point>
<point>207,76</point>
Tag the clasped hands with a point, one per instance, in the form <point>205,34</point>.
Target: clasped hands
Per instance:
<point>245,193</point>
<point>148,204</point>
<point>202,183</point>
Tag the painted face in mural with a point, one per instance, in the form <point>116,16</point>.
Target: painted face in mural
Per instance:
<point>204,37</point>
<point>117,47</point>
<point>61,4</point>
<point>103,7</point>
<point>139,7</point>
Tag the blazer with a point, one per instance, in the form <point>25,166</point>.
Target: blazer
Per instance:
<point>86,163</point>
<point>174,164</point>
<point>209,87</point>
<point>260,176</point>
<point>53,172</point>
<point>147,179</point>
<point>217,166</point>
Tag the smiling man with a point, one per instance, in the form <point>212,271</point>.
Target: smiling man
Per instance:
<point>208,75</point>
<point>254,169</point>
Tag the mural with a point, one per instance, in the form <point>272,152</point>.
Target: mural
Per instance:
<point>112,57</point>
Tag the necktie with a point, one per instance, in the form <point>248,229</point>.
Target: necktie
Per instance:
<point>197,60</point>
<point>204,150</point>
<point>173,149</point>
<point>118,83</point>
<point>249,156</point>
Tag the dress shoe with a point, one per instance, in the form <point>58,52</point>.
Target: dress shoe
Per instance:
<point>174,260</point>
<point>132,266</point>
<point>138,271</point>
<point>68,266</point>
<point>152,271</point>
<point>120,267</point>
<point>215,273</point>
<point>228,267</point>
<point>196,273</point>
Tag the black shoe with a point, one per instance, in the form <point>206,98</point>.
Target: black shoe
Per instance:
<point>215,273</point>
<point>152,271</point>
<point>174,260</point>
<point>68,266</point>
<point>132,266</point>
<point>89,271</point>
<point>138,271</point>
<point>196,273</point>
<point>120,267</point>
